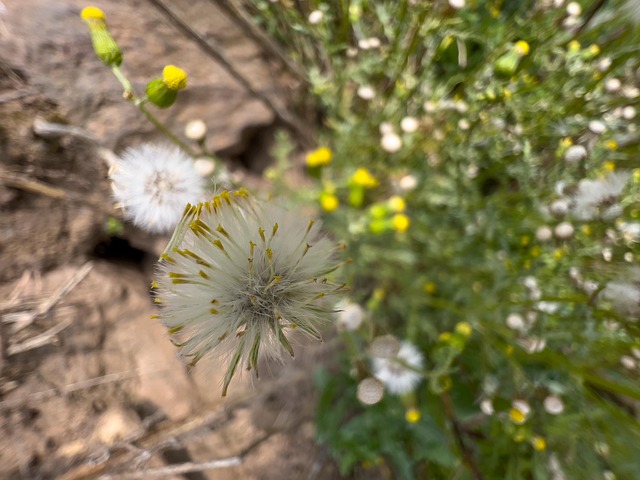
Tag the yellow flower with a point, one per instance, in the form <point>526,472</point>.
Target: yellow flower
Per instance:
<point>517,416</point>
<point>611,145</point>
<point>566,142</point>
<point>573,46</point>
<point>412,415</point>
<point>174,78</point>
<point>464,329</point>
<point>92,13</point>
<point>636,175</point>
<point>535,251</point>
<point>329,202</point>
<point>609,166</point>
<point>401,222</point>
<point>444,337</point>
<point>522,48</point>
<point>319,157</point>
<point>594,49</point>
<point>430,288</point>
<point>397,204</point>
<point>539,443</point>
<point>363,177</point>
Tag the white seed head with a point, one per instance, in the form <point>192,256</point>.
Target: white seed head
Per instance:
<point>391,142</point>
<point>243,275</point>
<point>204,167</point>
<point>629,112</point>
<point>486,407</point>
<point>349,316</point>
<point>523,406</point>
<point>195,130</point>
<point>574,9</point>
<point>612,85</point>
<point>553,405</point>
<point>408,183</point>
<point>315,17</point>
<point>154,184</point>
<point>385,346</point>
<point>399,374</point>
<point>597,127</point>
<point>598,198</point>
<point>515,322</point>
<point>409,124</point>
<point>628,362</point>
<point>564,231</point>
<point>457,4</point>
<point>575,153</point>
<point>544,234</point>
<point>366,92</point>
<point>370,391</point>
<point>559,208</point>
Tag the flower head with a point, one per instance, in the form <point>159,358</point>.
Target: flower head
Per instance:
<point>154,184</point>
<point>104,45</point>
<point>399,373</point>
<point>598,198</point>
<point>174,78</point>
<point>241,276</point>
<point>320,157</point>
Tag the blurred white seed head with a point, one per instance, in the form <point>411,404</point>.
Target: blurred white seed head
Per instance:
<point>486,407</point>
<point>515,322</point>
<point>553,405</point>
<point>391,142</point>
<point>598,198</point>
<point>366,92</point>
<point>612,85</point>
<point>628,362</point>
<point>559,208</point>
<point>574,9</point>
<point>575,153</point>
<point>195,130</point>
<point>384,346</point>
<point>597,127</point>
<point>398,373</point>
<point>153,184</point>
<point>523,406</point>
<point>349,316</point>
<point>544,234</point>
<point>457,4</point>
<point>409,124</point>
<point>408,183</point>
<point>204,167</point>
<point>315,17</point>
<point>242,275</point>
<point>370,391</point>
<point>564,231</point>
<point>629,112</point>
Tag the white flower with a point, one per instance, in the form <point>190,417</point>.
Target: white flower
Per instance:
<point>154,184</point>
<point>239,276</point>
<point>366,92</point>
<point>575,153</point>
<point>398,374</point>
<point>409,124</point>
<point>391,142</point>
<point>598,198</point>
<point>350,316</point>
<point>315,17</point>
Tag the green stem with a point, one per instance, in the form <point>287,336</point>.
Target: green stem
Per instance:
<point>165,130</point>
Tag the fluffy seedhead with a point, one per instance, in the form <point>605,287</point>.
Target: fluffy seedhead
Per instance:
<point>238,275</point>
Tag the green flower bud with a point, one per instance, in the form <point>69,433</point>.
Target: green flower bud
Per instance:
<point>104,45</point>
<point>162,92</point>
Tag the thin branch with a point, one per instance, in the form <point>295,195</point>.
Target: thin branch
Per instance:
<point>467,454</point>
<point>210,47</point>
<point>179,469</point>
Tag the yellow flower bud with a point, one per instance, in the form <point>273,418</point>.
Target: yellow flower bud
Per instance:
<point>517,416</point>
<point>363,177</point>
<point>104,45</point>
<point>397,204</point>
<point>162,92</point>
<point>539,443</point>
<point>464,329</point>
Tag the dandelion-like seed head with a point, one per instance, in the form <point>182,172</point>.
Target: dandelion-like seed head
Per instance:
<point>244,274</point>
<point>154,184</point>
<point>599,198</point>
<point>400,374</point>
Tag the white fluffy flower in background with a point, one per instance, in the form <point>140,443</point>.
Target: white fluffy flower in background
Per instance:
<point>599,198</point>
<point>624,294</point>
<point>154,184</point>
<point>239,275</point>
<point>349,316</point>
<point>398,374</point>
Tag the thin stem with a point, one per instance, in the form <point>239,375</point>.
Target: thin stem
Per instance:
<point>126,84</point>
<point>163,128</point>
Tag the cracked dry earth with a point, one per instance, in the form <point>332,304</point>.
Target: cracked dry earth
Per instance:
<point>90,386</point>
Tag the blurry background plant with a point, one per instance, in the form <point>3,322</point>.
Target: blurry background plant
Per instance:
<point>481,160</point>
